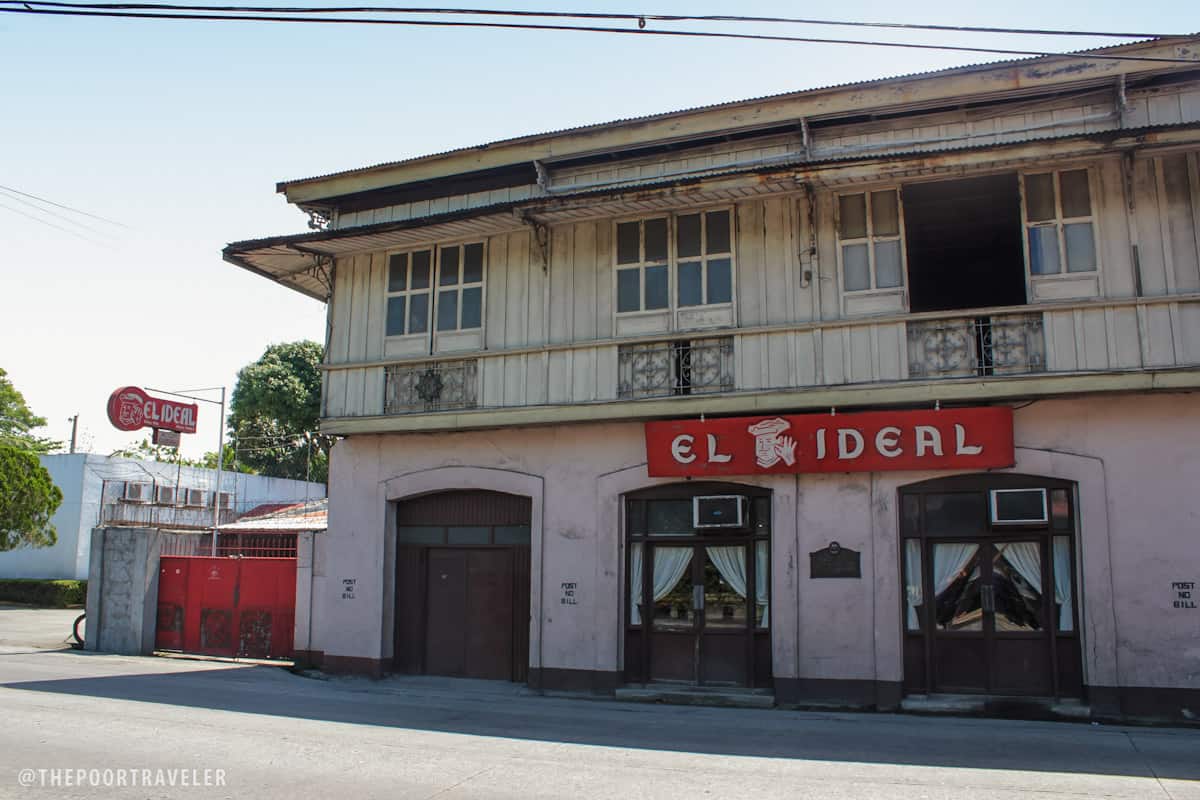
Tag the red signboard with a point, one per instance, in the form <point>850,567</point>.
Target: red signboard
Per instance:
<point>129,409</point>
<point>874,441</point>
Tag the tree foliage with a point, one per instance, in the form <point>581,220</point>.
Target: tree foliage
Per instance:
<point>17,420</point>
<point>275,411</point>
<point>28,499</point>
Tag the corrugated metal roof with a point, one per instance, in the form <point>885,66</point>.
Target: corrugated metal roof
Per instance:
<point>281,186</point>
<point>283,517</point>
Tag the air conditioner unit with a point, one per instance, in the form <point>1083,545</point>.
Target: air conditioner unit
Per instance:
<point>719,511</point>
<point>193,497</point>
<point>1019,507</point>
<point>165,495</point>
<point>225,500</point>
<point>137,492</point>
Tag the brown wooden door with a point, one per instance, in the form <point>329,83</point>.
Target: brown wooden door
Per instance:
<point>470,613</point>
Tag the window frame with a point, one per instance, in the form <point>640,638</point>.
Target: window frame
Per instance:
<point>672,311</point>
<point>431,334</point>
<point>871,240</point>
<point>1059,223</point>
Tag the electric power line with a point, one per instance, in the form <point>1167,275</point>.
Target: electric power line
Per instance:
<point>10,195</point>
<point>27,8</point>
<point>60,205</point>
<point>52,225</point>
<point>631,17</point>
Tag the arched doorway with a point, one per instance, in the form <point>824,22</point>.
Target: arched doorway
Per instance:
<point>990,603</point>
<point>697,605</point>
<point>462,585</point>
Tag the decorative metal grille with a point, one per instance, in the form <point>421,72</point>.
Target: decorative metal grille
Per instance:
<point>1003,345</point>
<point>666,369</point>
<point>430,386</point>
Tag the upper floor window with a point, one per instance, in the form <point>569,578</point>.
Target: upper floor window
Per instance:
<point>869,243</point>
<point>1058,222</point>
<point>691,252</point>
<point>449,292</point>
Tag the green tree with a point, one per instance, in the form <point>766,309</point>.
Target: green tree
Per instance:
<point>17,420</point>
<point>275,411</point>
<point>28,499</point>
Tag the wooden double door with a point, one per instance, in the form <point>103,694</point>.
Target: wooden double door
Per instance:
<point>990,605</point>
<point>462,586</point>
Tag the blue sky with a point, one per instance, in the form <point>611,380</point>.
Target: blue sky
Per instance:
<point>179,130</point>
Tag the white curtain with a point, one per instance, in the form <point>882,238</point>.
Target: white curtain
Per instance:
<point>912,573</point>
<point>762,566</point>
<point>635,583</point>
<point>948,562</point>
<point>669,565</point>
<point>1026,557</point>
<point>1062,583</point>
<point>731,563</point>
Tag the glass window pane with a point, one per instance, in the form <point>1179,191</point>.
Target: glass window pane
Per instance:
<point>656,287</point>
<point>397,272</point>
<point>420,534</point>
<point>511,534</point>
<point>1060,509</point>
<point>1076,198</point>
<point>473,263</point>
<point>852,216</point>
<point>468,535</point>
<point>717,232</point>
<point>671,584</point>
<point>957,597</point>
<point>418,313</point>
<point>1081,247</point>
<point>1017,584</point>
<point>725,587</point>
<point>1043,250</point>
<point>762,579</point>
<point>1039,197</point>
<point>857,269</point>
<point>956,514</point>
<point>910,514</point>
<point>395,316</point>
<point>914,598</point>
<point>472,308</point>
<point>687,236</point>
<point>448,269</point>
<point>689,284</point>
<point>887,265</point>
<point>720,281</point>
<point>669,517</point>
<point>447,310</point>
<point>885,213</point>
<point>1063,596</point>
<point>656,239</point>
<point>629,290</point>
<point>628,247</point>
<point>420,269</point>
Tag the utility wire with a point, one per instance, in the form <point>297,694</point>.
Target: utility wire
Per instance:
<point>27,8</point>
<point>59,205</point>
<point>10,195</point>
<point>52,225</point>
<point>638,18</point>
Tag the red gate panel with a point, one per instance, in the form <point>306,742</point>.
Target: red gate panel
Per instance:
<point>233,607</point>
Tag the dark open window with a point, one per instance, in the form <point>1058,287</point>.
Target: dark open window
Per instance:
<point>964,243</point>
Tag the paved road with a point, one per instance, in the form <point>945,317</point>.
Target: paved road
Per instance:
<point>38,628</point>
<point>278,735</point>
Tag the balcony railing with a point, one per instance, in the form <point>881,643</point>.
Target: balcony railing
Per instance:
<point>683,367</point>
<point>431,386</point>
<point>146,515</point>
<point>1011,344</point>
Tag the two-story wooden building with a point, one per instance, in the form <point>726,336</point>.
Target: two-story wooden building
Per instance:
<point>845,395</point>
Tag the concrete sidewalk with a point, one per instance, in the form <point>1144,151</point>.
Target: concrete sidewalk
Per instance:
<point>37,628</point>
<point>281,735</point>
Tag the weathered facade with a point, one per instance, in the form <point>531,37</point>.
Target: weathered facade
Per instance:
<point>504,320</point>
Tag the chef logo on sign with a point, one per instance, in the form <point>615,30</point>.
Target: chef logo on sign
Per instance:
<point>769,447</point>
<point>130,410</point>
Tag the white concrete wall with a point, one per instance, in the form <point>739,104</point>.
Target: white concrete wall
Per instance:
<point>1136,460</point>
<point>61,560</point>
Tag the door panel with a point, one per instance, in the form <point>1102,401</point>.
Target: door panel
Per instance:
<point>489,620</point>
<point>446,604</point>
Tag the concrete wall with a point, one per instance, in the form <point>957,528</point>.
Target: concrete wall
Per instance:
<point>1135,459</point>
<point>81,477</point>
<point>122,599</point>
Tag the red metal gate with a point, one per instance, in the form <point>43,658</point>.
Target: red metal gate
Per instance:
<point>235,607</point>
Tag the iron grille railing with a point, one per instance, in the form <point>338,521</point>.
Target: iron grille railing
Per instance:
<point>683,367</point>
<point>146,515</point>
<point>1012,344</point>
<point>431,386</point>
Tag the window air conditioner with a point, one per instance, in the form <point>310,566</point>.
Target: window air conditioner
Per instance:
<point>137,492</point>
<point>165,495</point>
<point>193,497</point>
<point>225,500</point>
<point>719,511</point>
<point>1018,506</point>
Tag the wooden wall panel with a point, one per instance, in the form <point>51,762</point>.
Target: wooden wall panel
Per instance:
<point>751,261</point>
<point>498,307</point>
<point>562,284</point>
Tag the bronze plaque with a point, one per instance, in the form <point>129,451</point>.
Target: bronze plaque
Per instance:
<point>835,561</point>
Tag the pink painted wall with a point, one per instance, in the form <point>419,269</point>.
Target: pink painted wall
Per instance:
<point>1136,460</point>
